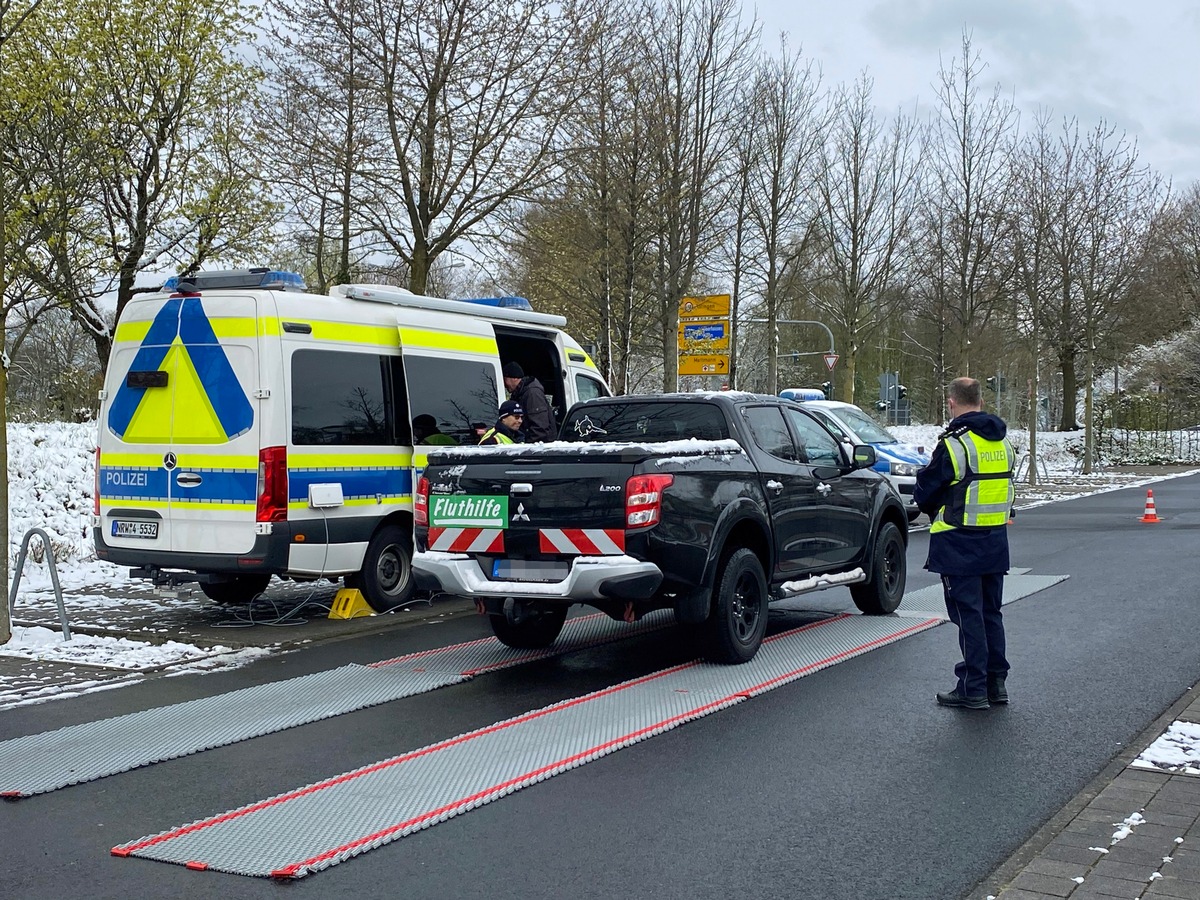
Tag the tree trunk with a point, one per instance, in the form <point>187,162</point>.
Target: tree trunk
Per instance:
<point>1070,387</point>
<point>1089,437</point>
<point>5,615</point>
<point>418,275</point>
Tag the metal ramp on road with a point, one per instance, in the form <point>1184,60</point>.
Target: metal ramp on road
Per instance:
<point>38,763</point>
<point>322,824</point>
<point>929,601</point>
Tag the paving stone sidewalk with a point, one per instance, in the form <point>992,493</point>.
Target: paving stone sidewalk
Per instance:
<point>1078,855</point>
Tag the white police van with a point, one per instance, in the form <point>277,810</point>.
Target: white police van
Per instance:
<point>249,429</point>
<point>895,459</point>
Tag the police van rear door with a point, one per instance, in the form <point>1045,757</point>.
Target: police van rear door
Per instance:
<point>180,441</point>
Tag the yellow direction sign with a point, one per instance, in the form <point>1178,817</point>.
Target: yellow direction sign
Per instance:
<point>712,306</point>
<point>703,335</point>
<point>703,364</point>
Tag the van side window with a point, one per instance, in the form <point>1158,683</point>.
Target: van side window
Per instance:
<point>460,394</point>
<point>589,388</point>
<point>342,398</point>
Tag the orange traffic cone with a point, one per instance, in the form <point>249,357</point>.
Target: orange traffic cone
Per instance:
<point>1150,515</point>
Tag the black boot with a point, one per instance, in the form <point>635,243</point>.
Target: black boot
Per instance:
<point>954,698</point>
<point>996,691</point>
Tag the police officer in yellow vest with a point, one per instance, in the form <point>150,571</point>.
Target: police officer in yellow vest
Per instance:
<point>507,429</point>
<point>967,491</point>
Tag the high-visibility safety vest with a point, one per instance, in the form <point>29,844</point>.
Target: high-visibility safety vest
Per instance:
<point>982,492</point>
<point>501,437</point>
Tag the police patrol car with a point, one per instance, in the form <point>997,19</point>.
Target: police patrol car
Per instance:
<point>249,429</point>
<point>895,459</point>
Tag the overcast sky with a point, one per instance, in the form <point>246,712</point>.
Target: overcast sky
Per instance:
<point>1135,65</point>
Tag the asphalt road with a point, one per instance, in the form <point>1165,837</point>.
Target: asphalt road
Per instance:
<point>848,783</point>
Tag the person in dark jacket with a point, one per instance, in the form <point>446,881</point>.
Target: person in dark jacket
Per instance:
<point>507,427</point>
<point>967,491</point>
<point>528,391</point>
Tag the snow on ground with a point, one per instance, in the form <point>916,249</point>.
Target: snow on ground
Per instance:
<point>1177,750</point>
<point>35,642</point>
<point>51,486</point>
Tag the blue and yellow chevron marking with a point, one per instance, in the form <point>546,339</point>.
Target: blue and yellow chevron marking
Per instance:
<point>205,388</point>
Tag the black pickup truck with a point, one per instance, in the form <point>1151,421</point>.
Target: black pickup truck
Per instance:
<point>713,504</point>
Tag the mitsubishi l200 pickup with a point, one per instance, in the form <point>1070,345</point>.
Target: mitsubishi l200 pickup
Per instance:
<point>713,505</point>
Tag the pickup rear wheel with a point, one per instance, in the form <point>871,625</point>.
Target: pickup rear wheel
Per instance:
<point>882,592</point>
<point>386,579</point>
<point>239,589</point>
<point>739,617</point>
<point>537,629</point>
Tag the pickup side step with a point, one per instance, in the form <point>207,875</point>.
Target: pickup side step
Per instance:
<point>817,583</point>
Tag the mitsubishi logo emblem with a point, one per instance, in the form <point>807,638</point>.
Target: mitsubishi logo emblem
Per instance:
<point>169,461</point>
<point>519,515</point>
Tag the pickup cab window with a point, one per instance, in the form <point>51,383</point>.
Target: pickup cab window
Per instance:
<point>644,422</point>
<point>817,445</point>
<point>770,432</point>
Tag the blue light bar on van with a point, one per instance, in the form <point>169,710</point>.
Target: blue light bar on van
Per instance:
<point>231,279</point>
<point>503,302</point>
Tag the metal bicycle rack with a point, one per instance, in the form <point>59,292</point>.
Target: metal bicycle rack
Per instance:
<point>58,597</point>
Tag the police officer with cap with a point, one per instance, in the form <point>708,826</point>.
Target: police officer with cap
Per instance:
<point>507,429</point>
<point>538,423</point>
<point>967,492</point>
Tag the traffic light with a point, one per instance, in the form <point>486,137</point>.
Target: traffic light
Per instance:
<point>827,387</point>
<point>881,405</point>
<point>901,391</point>
<point>991,382</point>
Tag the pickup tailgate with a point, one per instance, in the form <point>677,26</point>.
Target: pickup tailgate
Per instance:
<point>525,517</point>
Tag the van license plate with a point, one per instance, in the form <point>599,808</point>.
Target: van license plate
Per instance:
<point>134,529</point>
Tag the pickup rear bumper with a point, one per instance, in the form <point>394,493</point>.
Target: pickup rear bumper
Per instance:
<point>591,578</point>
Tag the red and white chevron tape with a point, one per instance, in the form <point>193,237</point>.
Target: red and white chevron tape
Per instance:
<point>584,541</point>
<point>467,540</point>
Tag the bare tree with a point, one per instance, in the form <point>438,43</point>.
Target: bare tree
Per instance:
<point>321,90</point>
<point>866,207</point>
<point>696,56</point>
<point>966,201</point>
<point>786,124</point>
<point>471,97</point>
<point>1121,199</point>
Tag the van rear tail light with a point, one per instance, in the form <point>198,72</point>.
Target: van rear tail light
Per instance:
<point>643,499</point>
<point>421,502</point>
<point>272,485</point>
<point>96,486</point>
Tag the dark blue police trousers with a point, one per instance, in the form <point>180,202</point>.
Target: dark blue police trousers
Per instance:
<point>973,602</point>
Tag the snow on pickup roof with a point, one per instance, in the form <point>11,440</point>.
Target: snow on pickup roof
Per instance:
<point>686,446</point>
